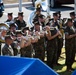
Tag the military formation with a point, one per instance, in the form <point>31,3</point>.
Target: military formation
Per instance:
<point>44,40</point>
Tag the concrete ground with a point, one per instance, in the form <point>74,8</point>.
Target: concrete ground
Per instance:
<point>14,1</point>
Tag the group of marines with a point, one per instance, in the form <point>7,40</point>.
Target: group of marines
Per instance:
<point>44,39</point>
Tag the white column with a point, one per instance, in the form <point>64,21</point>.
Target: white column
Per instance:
<point>20,5</point>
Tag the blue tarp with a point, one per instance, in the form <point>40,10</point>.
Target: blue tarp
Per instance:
<point>23,66</point>
<point>74,73</point>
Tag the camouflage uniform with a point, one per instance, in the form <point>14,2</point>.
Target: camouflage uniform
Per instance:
<point>26,51</point>
<point>13,45</point>
<point>70,48</point>
<point>60,45</point>
<point>60,40</point>
<point>7,51</point>
<point>39,49</point>
<point>52,48</point>
<point>20,24</point>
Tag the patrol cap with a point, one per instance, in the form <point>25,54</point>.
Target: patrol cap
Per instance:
<point>20,13</point>
<point>12,24</point>
<point>69,20</point>
<point>72,13</point>
<point>55,14</point>
<point>58,12</point>
<point>25,28</point>
<point>8,37</point>
<point>10,14</point>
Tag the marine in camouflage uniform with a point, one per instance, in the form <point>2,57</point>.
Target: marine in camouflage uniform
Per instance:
<point>12,30</point>
<point>10,17</point>
<point>20,22</point>
<point>24,44</point>
<point>7,49</point>
<point>39,45</point>
<point>52,47</point>
<point>40,17</point>
<point>70,44</point>
<point>26,51</point>
<point>57,22</point>
<point>60,38</point>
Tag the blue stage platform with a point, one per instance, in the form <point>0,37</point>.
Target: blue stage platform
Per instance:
<point>24,66</point>
<point>74,73</point>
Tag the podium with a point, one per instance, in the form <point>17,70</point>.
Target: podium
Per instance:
<point>24,66</point>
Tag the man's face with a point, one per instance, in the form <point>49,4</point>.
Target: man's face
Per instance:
<point>38,12</point>
<point>37,27</point>
<point>26,32</point>
<point>14,37</point>
<point>11,41</point>
<point>13,28</point>
<point>70,23</point>
<point>20,17</point>
<point>10,17</point>
<point>19,37</point>
<point>55,17</point>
